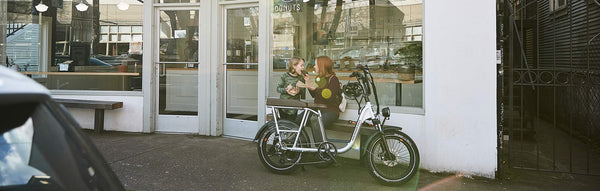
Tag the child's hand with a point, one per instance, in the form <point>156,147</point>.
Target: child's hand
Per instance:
<point>292,90</point>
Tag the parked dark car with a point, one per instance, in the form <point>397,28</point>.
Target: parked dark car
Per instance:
<point>92,62</point>
<point>372,55</point>
<point>41,146</point>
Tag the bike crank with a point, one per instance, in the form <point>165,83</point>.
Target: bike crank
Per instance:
<point>324,152</point>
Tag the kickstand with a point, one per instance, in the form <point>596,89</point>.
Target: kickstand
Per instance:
<point>302,166</point>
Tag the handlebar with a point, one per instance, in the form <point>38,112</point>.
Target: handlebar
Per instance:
<point>356,74</point>
<point>367,83</point>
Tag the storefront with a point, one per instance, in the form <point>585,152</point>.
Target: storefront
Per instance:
<point>207,67</point>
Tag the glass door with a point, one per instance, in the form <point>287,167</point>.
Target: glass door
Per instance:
<point>241,72</point>
<point>177,70</point>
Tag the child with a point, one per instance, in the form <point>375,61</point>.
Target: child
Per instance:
<point>287,86</point>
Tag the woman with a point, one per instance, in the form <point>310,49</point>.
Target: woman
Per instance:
<point>328,85</point>
<point>287,86</point>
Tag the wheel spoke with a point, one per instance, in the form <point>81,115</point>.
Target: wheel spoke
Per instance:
<point>270,147</point>
<point>400,167</point>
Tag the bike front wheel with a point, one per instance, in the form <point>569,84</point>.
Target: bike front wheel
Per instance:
<point>400,166</point>
<point>270,149</point>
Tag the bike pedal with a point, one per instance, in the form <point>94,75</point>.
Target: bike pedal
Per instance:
<point>336,163</point>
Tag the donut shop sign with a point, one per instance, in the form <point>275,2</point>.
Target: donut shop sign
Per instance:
<point>282,6</point>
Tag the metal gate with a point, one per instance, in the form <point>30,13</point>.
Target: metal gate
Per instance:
<point>549,85</point>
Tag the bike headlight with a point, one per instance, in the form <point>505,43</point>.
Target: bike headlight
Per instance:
<point>385,112</point>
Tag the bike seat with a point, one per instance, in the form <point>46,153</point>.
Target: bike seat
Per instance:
<point>286,102</point>
<point>316,105</point>
<point>293,103</point>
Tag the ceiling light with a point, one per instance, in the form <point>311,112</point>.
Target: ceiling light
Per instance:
<point>41,7</point>
<point>123,6</point>
<point>81,6</point>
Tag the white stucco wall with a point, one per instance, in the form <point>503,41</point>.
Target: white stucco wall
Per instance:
<point>128,119</point>
<point>459,132</point>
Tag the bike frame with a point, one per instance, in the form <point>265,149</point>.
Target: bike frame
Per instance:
<point>365,114</point>
<point>275,147</point>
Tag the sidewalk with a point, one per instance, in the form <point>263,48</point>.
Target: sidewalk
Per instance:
<point>188,162</point>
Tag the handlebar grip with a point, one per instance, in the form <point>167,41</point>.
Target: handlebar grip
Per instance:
<point>360,66</point>
<point>356,74</point>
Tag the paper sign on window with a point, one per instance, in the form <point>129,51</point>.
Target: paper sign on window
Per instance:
<point>180,33</point>
<point>246,21</point>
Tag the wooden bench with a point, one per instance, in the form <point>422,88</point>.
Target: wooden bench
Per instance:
<point>98,106</point>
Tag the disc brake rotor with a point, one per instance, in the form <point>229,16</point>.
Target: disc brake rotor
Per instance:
<point>394,162</point>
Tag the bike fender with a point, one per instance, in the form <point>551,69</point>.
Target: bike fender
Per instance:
<point>386,128</point>
<point>263,128</point>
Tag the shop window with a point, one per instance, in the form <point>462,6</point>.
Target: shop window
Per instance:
<point>386,35</point>
<point>59,49</point>
<point>176,1</point>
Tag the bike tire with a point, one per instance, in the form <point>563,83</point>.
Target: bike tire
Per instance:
<point>276,160</point>
<point>393,172</point>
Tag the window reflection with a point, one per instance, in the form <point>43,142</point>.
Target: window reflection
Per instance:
<point>384,34</point>
<point>242,35</point>
<point>99,48</point>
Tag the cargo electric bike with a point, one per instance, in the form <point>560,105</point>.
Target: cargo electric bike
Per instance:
<point>391,156</point>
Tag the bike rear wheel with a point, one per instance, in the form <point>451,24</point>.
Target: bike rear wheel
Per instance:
<point>270,149</point>
<point>399,168</point>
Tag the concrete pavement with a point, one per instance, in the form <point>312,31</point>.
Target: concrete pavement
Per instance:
<point>189,162</point>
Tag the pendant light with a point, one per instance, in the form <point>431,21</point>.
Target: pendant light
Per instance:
<point>123,6</point>
<point>81,6</point>
<point>41,7</point>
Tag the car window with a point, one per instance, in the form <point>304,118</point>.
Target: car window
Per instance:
<point>40,154</point>
<point>15,155</point>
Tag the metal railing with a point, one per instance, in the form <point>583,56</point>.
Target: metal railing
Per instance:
<point>549,86</point>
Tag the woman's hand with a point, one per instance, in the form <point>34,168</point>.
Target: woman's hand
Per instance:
<point>307,80</point>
